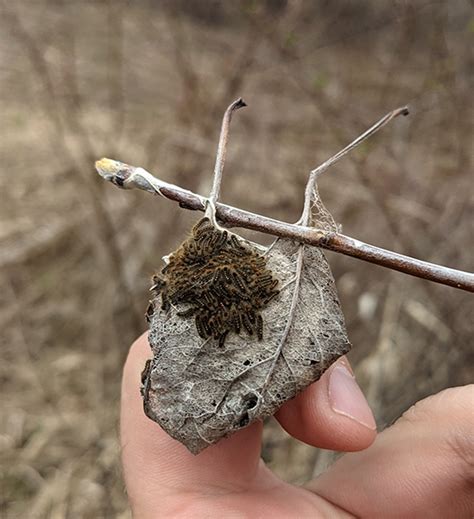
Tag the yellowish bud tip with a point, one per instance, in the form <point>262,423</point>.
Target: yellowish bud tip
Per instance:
<point>105,165</point>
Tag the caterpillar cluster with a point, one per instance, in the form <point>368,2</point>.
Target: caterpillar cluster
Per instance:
<point>221,282</point>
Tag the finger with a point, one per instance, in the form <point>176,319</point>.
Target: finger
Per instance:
<point>420,467</point>
<point>332,413</point>
<point>155,464</point>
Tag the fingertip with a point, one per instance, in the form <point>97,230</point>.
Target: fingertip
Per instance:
<point>332,413</point>
<point>139,352</point>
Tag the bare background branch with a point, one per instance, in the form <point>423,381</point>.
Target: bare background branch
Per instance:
<point>87,79</point>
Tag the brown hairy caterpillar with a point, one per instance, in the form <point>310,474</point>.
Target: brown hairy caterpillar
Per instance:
<point>217,280</point>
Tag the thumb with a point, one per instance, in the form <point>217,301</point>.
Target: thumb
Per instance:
<point>423,466</point>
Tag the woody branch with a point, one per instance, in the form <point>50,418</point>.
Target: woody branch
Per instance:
<point>126,176</point>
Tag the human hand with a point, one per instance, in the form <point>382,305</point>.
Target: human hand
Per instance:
<point>421,467</point>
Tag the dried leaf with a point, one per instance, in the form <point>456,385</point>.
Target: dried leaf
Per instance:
<point>207,380</point>
<point>200,392</point>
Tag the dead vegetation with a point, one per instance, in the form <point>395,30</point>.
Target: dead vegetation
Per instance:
<point>147,85</point>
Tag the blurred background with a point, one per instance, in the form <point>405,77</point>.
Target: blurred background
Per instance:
<point>147,83</point>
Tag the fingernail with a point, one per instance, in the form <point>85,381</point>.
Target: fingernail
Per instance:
<point>346,398</point>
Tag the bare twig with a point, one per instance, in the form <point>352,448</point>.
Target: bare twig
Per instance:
<point>373,129</point>
<point>220,157</point>
<point>313,176</point>
<point>130,177</point>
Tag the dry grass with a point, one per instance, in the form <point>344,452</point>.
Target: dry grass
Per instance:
<point>148,85</point>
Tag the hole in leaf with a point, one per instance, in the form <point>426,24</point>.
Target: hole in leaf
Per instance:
<point>246,362</point>
<point>251,401</point>
<point>244,420</point>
